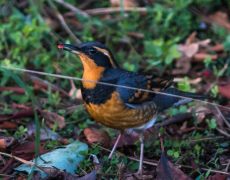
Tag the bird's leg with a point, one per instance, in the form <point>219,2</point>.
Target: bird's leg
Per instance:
<point>115,145</point>
<point>139,172</point>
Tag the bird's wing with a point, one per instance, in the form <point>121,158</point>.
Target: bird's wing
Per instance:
<point>147,82</point>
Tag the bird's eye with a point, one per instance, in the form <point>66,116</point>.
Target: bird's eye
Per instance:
<point>92,51</point>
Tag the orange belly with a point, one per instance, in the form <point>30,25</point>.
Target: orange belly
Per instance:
<point>115,114</point>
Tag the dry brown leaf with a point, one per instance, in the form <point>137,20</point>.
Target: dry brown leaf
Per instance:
<point>224,90</point>
<point>27,150</point>
<point>189,50</point>
<point>94,135</point>
<point>8,125</point>
<point>52,118</point>
<point>126,3</point>
<point>218,176</point>
<point>17,115</point>
<point>6,142</point>
<point>220,18</point>
<point>191,38</point>
<point>217,48</point>
<point>166,170</point>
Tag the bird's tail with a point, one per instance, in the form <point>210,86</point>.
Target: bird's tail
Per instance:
<point>164,101</point>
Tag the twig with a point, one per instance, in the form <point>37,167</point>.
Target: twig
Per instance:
<point>72,8</point>
<point>222,116</point>
<point>223,132</point>
<point>63,23</point>
<point>66,27</point>
<point>30,163</point>
<point>226,169</point>
<point>207,139</point>
<point>6,175</point>
<point>101,11</point>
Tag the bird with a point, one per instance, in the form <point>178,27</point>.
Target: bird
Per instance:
<point>110,103</point>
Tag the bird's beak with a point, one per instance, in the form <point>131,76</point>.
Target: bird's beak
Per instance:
<point>70,48</point>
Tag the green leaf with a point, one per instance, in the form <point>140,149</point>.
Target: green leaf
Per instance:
<point>212,123</point>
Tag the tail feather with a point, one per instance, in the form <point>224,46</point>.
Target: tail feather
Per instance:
<point>164,102</point>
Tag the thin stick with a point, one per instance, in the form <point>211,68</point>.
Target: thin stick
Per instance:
<point>63,23</point>
<point>222,116</point>
<point>6,175</point>
<point>207,139</point>
<point>30,163</point>
<point>72,8</point>
<point>109,84</point>
<point>223,132</point>
<point>101,11</point>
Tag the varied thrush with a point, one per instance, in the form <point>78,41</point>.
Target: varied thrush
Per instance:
<point>118,107</point>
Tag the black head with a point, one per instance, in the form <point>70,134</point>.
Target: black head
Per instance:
<point>92,51</point>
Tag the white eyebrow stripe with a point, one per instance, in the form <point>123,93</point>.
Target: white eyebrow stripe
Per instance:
<point>107,53</point>
<point>104,51</point>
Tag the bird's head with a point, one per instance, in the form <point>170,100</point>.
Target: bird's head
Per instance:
<point>95,57</point>
<point>92,54</point>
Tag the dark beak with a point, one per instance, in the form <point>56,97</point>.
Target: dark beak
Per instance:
<point>70,48</point>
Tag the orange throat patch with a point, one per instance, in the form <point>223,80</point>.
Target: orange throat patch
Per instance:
<point>92,72</point>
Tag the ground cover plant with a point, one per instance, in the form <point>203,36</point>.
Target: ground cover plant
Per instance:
<point>40,114</point>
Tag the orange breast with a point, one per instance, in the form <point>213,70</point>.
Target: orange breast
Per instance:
<point>115,114</point>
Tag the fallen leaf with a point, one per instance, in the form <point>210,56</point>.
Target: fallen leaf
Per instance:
<point>218,176</point>
<point>8,166</point>
<point>224,90</point>
<point>63,159</point>
<point>6,142</point>
<point>26,150</point>
<point>8,125</point>
<point>94,135</point>
<point>189,50</point>
<point>17,115</point>
<point>220,18</point>
<point>166,170</point>
<point>191,38</point>
<point>52,118</point>
<point>217,48</point>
